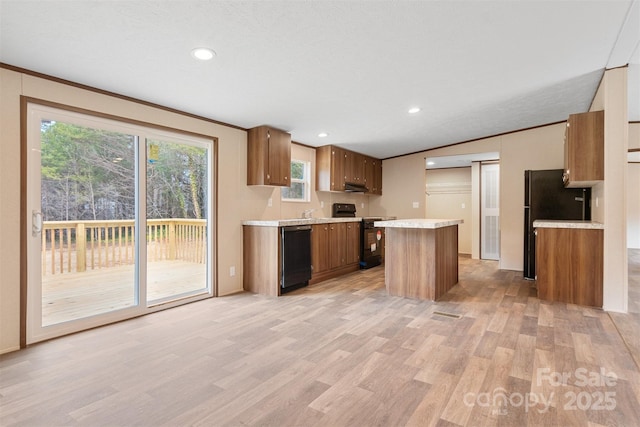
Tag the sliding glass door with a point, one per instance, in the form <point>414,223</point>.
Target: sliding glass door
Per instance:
<point>177,214</point>
<point>118,220</point>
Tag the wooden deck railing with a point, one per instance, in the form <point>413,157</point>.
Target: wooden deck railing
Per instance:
<point>77,246</point>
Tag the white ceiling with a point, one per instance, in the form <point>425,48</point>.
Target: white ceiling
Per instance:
<point>349,68</point>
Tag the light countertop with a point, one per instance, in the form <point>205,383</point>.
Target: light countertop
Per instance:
<point>549,223</point>
<point>297,221</point>
<point>418,223</point>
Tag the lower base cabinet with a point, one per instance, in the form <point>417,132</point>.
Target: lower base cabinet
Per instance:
<point>335,250</point>
<point>569,265</point>
<point>319,249</point>
<point>261,261</point>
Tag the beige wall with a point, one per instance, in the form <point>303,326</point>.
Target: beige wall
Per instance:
<point>9,211</point>
<point>449,196</point>
<point>611,195</point>
<point>539,148</point>
<point>236,200</point>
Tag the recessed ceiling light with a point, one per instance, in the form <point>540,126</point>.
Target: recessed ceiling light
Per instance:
<point>203,53</point>
<point>414,110</point>
<point>323,134</point>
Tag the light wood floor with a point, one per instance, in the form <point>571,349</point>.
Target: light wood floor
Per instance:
<point>340,353</point>
<point>629,324</point>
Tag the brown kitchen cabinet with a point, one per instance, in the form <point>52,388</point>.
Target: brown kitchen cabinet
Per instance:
<point>584,150</point>
<point>338,243</point>
<point>336,166</point>
<point>369,173</point>
<point>377,183</point>
<point>569,265</point>
<point>320,248</point>
<point>268,156</point>
<point>330,165</point>
<point>373,175</point>
<point>354,168</point>
<point>352,243</point>
<point>335,249</point>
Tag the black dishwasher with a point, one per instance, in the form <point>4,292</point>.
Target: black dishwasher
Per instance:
<point>295,257</point>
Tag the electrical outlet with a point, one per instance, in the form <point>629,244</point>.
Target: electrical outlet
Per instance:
<point>597,202</point>
<point>416,205</point>
<point>270,202</point>
<point>463,206</point>
<point>362,205</point>
<point>232,270</point>
<point>321,204</point>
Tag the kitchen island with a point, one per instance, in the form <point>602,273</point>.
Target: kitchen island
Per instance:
<point>421,257</point>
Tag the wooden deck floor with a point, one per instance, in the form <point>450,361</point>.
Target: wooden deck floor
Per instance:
<point>75,295</point>
<point>339,353</point>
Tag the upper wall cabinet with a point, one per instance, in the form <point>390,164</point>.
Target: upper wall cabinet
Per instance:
<point>373,175</point>
<point>354,167</point>
<point>268,156</point>
<point>584,150</point>
<point>336,167</point>
<point>330,165</point>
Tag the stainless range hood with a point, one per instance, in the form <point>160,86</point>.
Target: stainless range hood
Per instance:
<point>355,188</point>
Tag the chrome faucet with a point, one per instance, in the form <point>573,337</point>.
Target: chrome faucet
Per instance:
<point>308,213</point>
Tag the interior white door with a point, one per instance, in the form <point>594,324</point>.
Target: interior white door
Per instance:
<point>490,211</point>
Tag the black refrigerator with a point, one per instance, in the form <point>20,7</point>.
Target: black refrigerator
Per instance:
<point>546,198</point>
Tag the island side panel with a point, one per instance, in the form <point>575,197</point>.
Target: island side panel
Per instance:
<point>569,265</point>
<point>446,260</point>
<point>261,260</point>
<point>410,261</point>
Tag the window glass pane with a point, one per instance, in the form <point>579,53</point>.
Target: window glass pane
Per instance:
<point>296,191</point>
<point>176,220</point>
<point>299,189</point>
<point>88,210</point>
<point>297,170</point>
